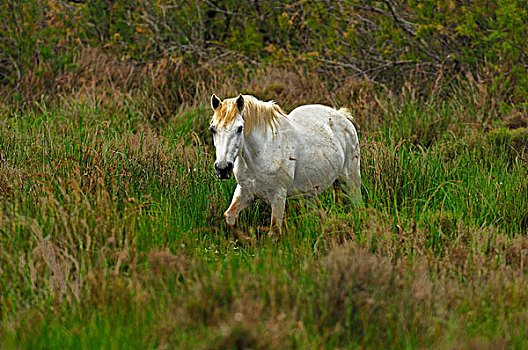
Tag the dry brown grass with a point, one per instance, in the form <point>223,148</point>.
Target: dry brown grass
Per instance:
<point>163,88</point>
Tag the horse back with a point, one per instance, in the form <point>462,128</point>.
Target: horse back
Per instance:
<point>311,117</point>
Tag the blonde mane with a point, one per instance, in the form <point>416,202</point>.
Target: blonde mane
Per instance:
<point>256,113</point>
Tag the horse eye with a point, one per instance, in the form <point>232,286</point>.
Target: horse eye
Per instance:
<point>212,129</point>
<point>239,130</point>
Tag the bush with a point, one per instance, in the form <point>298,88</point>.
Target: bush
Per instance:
<point>516,139</point>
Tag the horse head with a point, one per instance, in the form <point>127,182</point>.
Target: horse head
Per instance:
<point>227,127</point>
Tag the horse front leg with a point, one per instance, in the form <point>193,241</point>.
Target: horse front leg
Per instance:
<point>241,200</point>
<point>278,203</point>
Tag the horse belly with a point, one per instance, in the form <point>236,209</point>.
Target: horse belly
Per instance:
<point>317,168</point>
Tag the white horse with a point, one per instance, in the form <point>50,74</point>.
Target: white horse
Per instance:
<point>274,155</point>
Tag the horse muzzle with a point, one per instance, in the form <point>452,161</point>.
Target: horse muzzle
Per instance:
<point>223,169</point>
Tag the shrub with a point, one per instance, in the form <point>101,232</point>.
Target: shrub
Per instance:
<point>516,139</point>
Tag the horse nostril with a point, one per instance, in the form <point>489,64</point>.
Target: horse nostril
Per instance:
<point>229,165</point>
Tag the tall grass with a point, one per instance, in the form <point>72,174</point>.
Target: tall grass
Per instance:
<point>111,235</point>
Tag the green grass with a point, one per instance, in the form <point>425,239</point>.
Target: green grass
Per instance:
<point>111,236</point>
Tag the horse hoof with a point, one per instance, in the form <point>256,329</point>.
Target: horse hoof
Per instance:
<point>241,236</point>
<point>274,234</point>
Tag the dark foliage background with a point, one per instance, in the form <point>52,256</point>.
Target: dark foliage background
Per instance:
<point>48,46</point>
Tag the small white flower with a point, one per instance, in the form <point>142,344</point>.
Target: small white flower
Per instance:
<point>239,317</point>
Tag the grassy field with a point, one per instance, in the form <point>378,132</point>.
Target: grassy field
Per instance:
<point>111,236</point>
<point>111,217</point>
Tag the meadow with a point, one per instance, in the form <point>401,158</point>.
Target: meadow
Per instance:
<point>112,236</point>
<point>111,216</point>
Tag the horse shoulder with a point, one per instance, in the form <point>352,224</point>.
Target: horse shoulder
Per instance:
<point>272,167</point>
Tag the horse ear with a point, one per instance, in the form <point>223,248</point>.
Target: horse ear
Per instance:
<point>215,102</point>
<point>240,103</point>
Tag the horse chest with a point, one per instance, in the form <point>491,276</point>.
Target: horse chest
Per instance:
<point>265,175</point>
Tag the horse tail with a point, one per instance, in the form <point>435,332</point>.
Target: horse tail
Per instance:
<point>346,112</point>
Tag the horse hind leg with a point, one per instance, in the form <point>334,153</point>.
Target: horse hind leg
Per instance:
<point>350,181</point>
<point>278,204</point>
